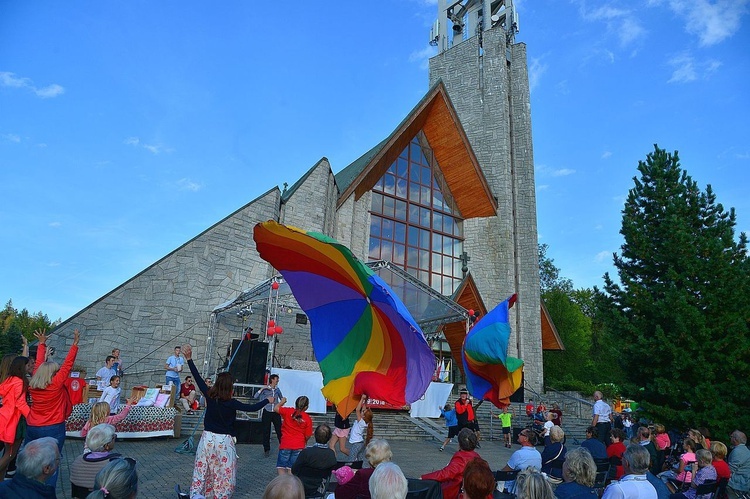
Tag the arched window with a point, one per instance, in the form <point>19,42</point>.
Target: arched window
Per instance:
<point>414,221</point>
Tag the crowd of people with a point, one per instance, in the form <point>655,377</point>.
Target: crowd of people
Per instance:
<point>641,460</point>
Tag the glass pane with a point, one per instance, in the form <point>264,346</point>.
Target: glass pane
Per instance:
<point>414,172</point>
<point>374,248</point>
<point>413,236</point>
<point>390,184</point>
<point>375,226</point>
<point>387,229</point>
<point>424,217</point>
<point>401,210</point>
<point>437,283</point>
<point>425,195</point>
<point>389,205</point>
<point>424,159</point>
<point>415,153</point>
<point>402,167</point>
<point>457,264</point>
<point>424,259</point>
<point>401,188</point>
<point>392,168</point>
<point>412,256</point>
<point>437,262</point>
<point>399,251</point>
<point>413,214</point>
<point>379,185</point>
<point>413,192</point>
<point>424,239</point>
<point>448,225</point>
<point>437,199</point>
<point>423,276</point>
<point>377,203</point>
<point>457,228</point>
<point>400,236</point>
<point>386,252</point>
<point>426,176</point>
<point>405,153</point>
<point>437,243</point>
<point>447,268</point>
<point>437,221</point>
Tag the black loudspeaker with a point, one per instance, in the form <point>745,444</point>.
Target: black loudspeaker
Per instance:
<point>249,364</point>
<point>517,396</point>
<point>249,432</point>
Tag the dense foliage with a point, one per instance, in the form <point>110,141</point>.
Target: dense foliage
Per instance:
<point>681,307</point>
<point>14,324</point>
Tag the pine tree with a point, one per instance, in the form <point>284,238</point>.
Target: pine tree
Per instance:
<point>681,308</point>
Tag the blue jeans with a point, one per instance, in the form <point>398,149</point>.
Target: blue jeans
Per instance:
<point>175,382</point>
<point>56,431</point>
<point>287,457</point>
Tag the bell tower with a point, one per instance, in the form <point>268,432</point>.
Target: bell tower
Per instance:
<point>486,77</point>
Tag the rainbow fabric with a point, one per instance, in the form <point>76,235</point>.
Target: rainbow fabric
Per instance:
<point>490,373</point>
<point>364,339</point>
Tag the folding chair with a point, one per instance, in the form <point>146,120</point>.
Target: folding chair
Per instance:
<point>603,469</point>
<point>505,476</point>
<point>707,487</point>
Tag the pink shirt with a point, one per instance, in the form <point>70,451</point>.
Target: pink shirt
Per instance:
<point>662,441</point>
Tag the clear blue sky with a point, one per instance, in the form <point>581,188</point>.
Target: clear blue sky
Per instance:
<point>127,128</point>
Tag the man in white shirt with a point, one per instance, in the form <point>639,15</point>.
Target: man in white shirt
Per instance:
<point>524,457</point>
<point>602,418</point>
<point>104,374</point>
<point>634,484</point>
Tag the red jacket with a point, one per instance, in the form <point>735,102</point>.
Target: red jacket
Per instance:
<point>464,407</point>
<point>52,405</point>
<point>451,476</point>
<point>14,404</point>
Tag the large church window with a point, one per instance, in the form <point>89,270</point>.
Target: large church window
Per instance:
<point>414,222</point>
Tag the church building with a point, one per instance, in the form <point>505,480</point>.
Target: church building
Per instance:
<point>443,208</point>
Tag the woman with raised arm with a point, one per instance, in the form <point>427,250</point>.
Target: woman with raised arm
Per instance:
<point>50,402</point>
<point>215,471</point>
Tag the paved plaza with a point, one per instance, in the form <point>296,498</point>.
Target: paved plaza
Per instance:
<point>160,468</point>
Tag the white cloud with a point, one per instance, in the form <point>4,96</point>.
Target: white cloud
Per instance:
<point>11,137</point>
<point>536,70</point>
<point>630,31</point>
<point>742,155</point>
<point>185,184</point>
<point>49,91</point>
<point>8,79</point>
<point>152,148</point>
<point>563,172</point>
<point>542,187</point>
<point>683,69</point>
<point>606,154</point>
<point>54,224</point>
<point>423,56</point>
<point>598,227</point>
<point>711,21</point>
<point>621,22</point>
<point>602,256</point>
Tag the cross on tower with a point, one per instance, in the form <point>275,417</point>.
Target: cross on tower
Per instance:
<point>465,258</point>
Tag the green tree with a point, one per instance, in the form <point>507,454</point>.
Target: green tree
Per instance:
<point>14,324</point>
<point>680,310</point>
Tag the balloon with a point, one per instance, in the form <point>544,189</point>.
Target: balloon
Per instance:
<point>275,286</point>
<point>271,323</point>
<point>270,331</point>
<point>278,330</point>
<point>471,311</point>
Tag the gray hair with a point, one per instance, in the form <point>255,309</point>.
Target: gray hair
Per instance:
<point>36,455</point>
<point>99,436</point>
<point>388,482</point>
<point>378,451</point>
<point>739,437</point>
<point>637,459</point>
<point>704,456</point>
<point>467,439</point>
<point>580,467</point>
<point>119,478</point>
<point>284,487</point>
<point>556,434</point>
<point>532,484</point>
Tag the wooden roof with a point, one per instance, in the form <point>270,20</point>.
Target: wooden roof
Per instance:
<point>437,119</point>
<point>550,338</point>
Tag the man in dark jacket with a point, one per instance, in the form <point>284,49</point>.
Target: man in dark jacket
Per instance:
<point>37,461</point>
<point>314,464</point>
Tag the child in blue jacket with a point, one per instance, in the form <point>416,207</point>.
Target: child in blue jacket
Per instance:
<point>451,422</point>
